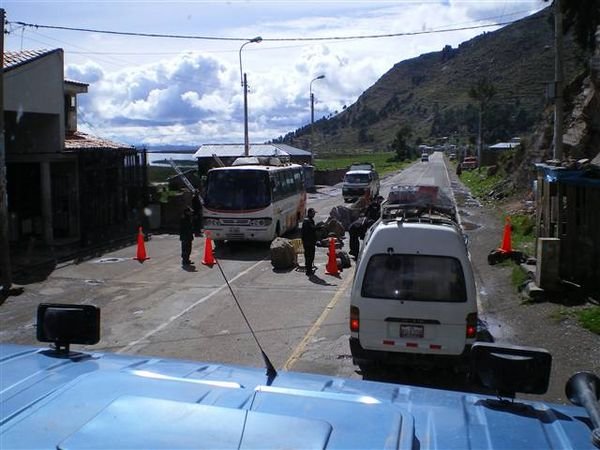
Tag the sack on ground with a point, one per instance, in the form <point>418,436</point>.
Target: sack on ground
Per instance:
<point>344,215</point>
<point>335,226</point>
<point>283,255</point>
<point>344,258</point>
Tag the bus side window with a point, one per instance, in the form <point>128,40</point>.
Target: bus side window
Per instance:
<point>275,187</point>
<point>282,185</point>
<point>298,181</point>
<point>290,182</point>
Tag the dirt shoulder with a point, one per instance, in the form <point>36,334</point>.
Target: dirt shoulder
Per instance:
<point>513,319</point>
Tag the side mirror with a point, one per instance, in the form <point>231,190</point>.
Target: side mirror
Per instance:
<point>509,369</point>
<point>64,324</point>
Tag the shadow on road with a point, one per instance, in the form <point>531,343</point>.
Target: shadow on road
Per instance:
<point>242,251</point>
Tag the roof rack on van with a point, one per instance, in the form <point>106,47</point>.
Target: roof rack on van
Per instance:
<point>422,203</point>
<point>421,215</point>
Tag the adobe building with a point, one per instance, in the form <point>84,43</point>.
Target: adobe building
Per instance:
<point>64,187</point>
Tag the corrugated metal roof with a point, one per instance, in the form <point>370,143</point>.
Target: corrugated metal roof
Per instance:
<point>82,141</point>
<point>504,146</point>
<point>293,151</point>
<point>77,83</point>
<point>16,59</point>
<point>234,150</point>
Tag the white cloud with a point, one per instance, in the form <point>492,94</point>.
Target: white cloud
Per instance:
<point>182,91</point>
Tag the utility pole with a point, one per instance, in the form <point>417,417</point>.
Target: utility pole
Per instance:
<point>244,81</point>
<point>5,266</point>
<point>246,139</point>
<point>312,116</point>
<point>558,83</point>
<point>312,125</point>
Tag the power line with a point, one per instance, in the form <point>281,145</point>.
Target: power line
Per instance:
<point>236,39</point>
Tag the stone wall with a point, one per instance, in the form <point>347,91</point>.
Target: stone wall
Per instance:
<point>329,177</point>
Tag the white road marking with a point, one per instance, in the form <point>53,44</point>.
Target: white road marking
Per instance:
<point>165,324</point>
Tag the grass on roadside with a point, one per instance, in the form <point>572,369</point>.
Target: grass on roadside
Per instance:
<point>479,183</point>
<point>384,162</point>
<point>523,225</point>
<point>590,318</point>
<point>518,275</point>
<point>523,233</point>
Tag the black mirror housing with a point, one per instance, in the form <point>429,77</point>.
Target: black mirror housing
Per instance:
<point>64,324</point>
<point>509,369</point>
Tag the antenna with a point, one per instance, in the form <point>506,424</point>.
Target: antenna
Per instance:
<point>271,372</point>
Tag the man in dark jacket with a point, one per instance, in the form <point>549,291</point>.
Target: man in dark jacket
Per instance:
<point>358,228</point>
<point>186,236</point>
<point>309,240</point>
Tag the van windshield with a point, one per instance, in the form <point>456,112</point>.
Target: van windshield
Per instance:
<point>415,277</point>
<point>357,178</point>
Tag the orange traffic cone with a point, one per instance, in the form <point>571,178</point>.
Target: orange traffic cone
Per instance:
<point>209,258</point>
<point>331,268</point>
<point>506,237</point>
<point>141,247</point>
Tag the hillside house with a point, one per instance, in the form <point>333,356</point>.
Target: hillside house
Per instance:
<point>491,154</point>
<point>64,186</point>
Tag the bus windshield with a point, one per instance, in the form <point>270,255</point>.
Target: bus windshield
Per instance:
<point>237,190</point>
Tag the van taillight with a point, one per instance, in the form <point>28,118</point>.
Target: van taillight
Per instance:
<point>472,326</point>
<point>354,319</point>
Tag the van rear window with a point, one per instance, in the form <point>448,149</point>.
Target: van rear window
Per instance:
<point>414,277</point>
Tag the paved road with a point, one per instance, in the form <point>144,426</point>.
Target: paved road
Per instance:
<point>157,308</point>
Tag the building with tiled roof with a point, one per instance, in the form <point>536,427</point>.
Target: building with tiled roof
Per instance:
<point>16,59</point>
<point>64,186</point>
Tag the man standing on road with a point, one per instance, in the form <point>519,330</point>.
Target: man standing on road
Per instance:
<point>359,227</point>
<point>309,240</point>
<point>186,236</point>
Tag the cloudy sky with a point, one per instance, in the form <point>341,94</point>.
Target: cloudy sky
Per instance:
<point>165,90</point>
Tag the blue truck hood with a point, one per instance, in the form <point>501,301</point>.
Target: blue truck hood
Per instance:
<point>109,401</point>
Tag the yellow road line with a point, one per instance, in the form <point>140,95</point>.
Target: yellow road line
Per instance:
<point>299,350</point>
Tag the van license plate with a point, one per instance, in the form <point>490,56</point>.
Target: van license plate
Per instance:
<point>411,331</point>
<point>234,230</point>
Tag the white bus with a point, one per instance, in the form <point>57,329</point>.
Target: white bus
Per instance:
<point>253,202</point>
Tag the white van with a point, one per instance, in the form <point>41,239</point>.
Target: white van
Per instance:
<point>358,182</point>
<point>413,299</point>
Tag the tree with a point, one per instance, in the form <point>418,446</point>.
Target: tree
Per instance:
<point>400,144</point>
<point>482,92</point>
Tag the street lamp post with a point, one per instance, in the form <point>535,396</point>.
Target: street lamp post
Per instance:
<point>257,39</point>
<point>312,115</point>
